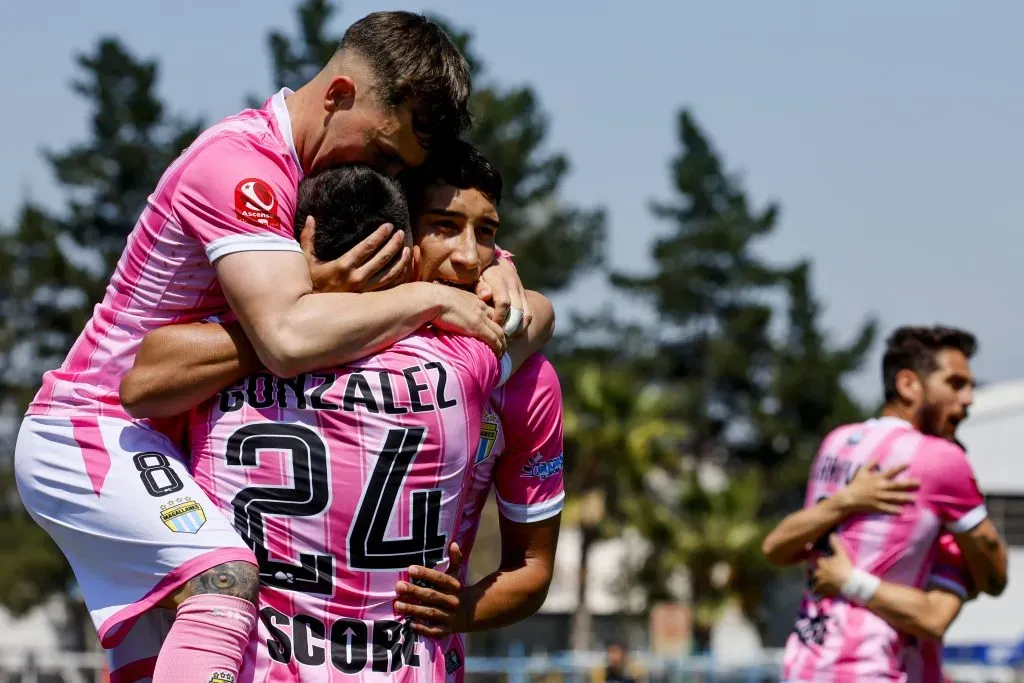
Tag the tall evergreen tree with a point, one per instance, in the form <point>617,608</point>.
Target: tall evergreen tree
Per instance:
<point>759,401</point>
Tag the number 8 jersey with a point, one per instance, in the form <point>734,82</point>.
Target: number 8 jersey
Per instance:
<point>339,481</point>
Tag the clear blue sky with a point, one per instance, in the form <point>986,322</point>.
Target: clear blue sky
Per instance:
<point>891,133</point>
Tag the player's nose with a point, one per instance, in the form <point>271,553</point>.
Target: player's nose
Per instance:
<point>466,259</point>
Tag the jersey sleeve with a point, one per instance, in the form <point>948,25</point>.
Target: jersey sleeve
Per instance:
<point>950,573</point>
<point>528,477</point>
<point>949,487</point>
<point>233,196</point>
<point>486,370</point>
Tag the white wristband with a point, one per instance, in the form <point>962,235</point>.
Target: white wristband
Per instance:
<point>860,587</point>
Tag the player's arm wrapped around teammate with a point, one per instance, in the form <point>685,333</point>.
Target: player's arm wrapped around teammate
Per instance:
<point>926,614</point>
<point>180,366</point>
<point>500,286</point>
<point>870,491</point>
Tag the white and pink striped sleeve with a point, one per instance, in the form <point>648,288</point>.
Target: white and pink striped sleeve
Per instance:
<point>949,487</point>
<point>529,474</point>
<point>234,197</point>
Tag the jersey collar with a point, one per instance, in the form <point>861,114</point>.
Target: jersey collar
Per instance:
<point>284,122</point>
<point>894,421</point>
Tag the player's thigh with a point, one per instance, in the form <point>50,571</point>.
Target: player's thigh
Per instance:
<point>118,499</point>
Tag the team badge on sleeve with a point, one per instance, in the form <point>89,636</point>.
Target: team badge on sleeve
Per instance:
<point>222,677</point>
<point>256,204</point>
<point>488,435</point>
<point>183,516</point>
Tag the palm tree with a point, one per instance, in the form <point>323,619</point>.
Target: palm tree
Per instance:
<point>617,428</point>
<point>708,522</point>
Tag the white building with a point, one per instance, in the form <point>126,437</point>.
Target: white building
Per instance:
<point>994,437</point>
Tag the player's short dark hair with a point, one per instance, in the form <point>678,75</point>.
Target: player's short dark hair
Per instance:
<point>413,60</point>
<point>460,164</point>
<point>348,203</point>
<point>915,348</point>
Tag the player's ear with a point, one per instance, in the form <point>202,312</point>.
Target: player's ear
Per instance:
<point>306,237</point>
<point>909,386</point>
<point>340,94</point>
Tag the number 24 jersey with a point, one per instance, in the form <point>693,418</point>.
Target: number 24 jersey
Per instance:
<point>340,480</point>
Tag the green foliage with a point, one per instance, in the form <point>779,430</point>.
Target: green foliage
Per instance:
<point>763,387</point>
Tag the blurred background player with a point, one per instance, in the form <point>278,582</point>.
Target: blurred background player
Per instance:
<point>928,388</point>
<point>616,662</point>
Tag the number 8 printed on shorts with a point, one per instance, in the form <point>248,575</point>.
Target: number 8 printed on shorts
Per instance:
<point>157,475</point>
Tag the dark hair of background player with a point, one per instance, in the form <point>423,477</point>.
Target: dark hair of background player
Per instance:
<point>915,348</point>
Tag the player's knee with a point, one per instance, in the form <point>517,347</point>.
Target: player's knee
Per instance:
<point>237,579</point>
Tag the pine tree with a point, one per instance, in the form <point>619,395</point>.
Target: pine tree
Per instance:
<point>755,403</point>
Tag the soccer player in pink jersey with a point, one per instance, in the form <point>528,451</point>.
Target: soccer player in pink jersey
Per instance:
<point>928,388</point>
<point>455,237</point>
<point>216,234</point>
<point>520,456</point>
<point>925,614</point>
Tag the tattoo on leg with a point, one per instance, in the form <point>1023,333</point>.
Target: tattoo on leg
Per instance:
<point>237,579</point>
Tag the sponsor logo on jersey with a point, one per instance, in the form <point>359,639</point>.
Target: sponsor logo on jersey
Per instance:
<point>183,516</point>
<point>256,204</point>
<point>538,468</point>
<point>488,436</point>
<point>452,662</point>
<point>222,677</point>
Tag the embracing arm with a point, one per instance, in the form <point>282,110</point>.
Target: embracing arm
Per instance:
<point>180,366</point>
<point>870,490</point>
<point>914,611</point>
<point>927,614</point>
<point>985,554</point>
<point>542,327</point>
<point>789,542</point>
<point>295,330</point>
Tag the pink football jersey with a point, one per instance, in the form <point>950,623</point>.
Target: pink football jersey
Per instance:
<point>340,480</point>
<point>834,640</point>
<point>233,189</point>
<point>520,452</point>
<point>520,455</point>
